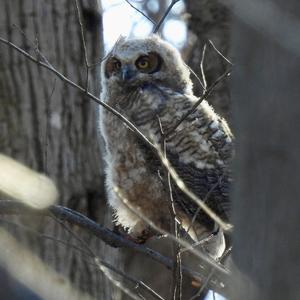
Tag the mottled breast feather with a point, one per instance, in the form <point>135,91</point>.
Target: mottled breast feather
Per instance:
<point>200,150</point>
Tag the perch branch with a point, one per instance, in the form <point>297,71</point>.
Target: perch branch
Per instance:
<point>110,238</point>
<point>203,257</point>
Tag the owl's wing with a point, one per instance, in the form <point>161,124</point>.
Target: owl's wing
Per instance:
<point>199,149</point>
<point>210,185</point>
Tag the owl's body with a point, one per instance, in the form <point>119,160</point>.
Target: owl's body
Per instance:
<point>155,98</point>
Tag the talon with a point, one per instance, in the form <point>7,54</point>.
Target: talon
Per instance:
<point>140,239</point>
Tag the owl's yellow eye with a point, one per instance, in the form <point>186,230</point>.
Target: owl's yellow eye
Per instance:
<point>143,63</point>
<point>150,63</point>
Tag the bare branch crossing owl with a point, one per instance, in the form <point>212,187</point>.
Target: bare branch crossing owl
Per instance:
<point>146,80</point>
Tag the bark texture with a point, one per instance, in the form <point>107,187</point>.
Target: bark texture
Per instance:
<point>210,20</point>
<point>266,117</point>
<point>52,127</point>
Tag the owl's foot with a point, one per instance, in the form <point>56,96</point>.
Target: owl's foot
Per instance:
<point>141,238</point>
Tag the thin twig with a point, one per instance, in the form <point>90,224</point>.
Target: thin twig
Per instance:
<point>138,10</point>
<point>182,186</point>
<point>203,286</point>
<point>49,67</point>
<point>82,251</point>
<point>204,200</point>
<point>200,242</point>
<point>138,283</point>
<point>35,45</point>
<point>93,65</point>
<point>200,99</point>
<point>210,275</point>
<point>177,275</point>
<point>195,74</point>
<point>202,69</point>
<point>165,15</point>
<point>45,236</point>
<point>202,256</point>
<point>97,260</point>
<point>176,278</point>
<point>83,45</point>
<point>220,53</point>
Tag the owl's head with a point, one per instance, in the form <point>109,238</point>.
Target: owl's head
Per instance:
<point>134,63</point>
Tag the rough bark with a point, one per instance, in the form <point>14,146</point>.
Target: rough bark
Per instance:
<point>266,117</point>
<point>210,20</point>
<point>52,127</point>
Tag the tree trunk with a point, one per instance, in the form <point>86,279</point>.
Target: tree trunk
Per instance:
<point>52,127</point>
<point>210,20</point>
<point>267,122</point>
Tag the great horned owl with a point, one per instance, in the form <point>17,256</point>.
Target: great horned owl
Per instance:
<point>147,81</point>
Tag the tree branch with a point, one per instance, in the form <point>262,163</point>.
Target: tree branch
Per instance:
<point>200,99</point>
<point>164,16</point>
<point>83,45</point>
<point>110,238</point>
<point>49,67</point>
<point>135,281</point>
<point>139,11</point>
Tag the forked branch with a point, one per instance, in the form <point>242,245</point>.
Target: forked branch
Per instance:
<point>157,27</point>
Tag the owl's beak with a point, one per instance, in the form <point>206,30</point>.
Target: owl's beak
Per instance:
<point>127,73</point>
